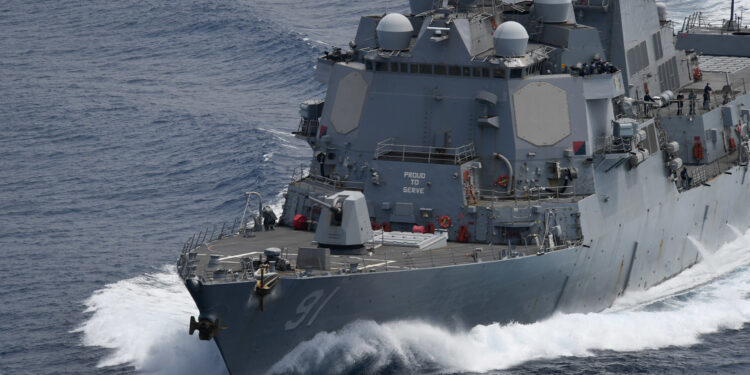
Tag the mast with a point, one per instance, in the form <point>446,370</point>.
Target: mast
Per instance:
<point>731,16</point>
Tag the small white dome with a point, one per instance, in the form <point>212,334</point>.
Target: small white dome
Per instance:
<point>553,10</point>
<point>394,32</point>
<point>661,8</point>
<point>510,39</point>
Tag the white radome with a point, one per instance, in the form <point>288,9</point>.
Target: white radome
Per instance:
<point>510,39</point>
<point>394,32</point>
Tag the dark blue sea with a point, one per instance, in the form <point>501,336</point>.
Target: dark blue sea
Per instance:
<point>127,126</point>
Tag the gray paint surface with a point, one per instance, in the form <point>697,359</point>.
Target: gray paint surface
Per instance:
<point>517,152</point>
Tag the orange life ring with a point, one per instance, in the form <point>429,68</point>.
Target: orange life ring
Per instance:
<point>502,180</point>
<point>445,221</point>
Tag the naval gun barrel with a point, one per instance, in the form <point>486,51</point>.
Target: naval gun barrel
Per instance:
<point>325,204</point>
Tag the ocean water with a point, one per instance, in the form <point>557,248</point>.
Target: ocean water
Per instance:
<point>127,126</point>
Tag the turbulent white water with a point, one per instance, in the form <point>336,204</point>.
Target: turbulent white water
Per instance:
<point>144,321</point>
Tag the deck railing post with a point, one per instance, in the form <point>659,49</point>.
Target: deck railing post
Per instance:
<point>385,254</point>
<point>191,242</point>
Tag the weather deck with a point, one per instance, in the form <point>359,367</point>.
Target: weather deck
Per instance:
<point>229,253</point>
<point>716,70</point>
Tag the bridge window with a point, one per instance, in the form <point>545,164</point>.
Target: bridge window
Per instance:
<point>440,69</point>
<point>454,70</point>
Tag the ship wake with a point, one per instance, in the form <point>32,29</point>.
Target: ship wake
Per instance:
<point>144,322</point>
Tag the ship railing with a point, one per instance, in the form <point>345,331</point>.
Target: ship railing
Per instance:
<point>303,174</point>
<point>211,233</point>
<point>384,258</point>
<point>613,145</point>
<point>532,194</point>
<point>307,128</point>
<point>545,192</point>
<point>716,100</point>
<point>697,22</point>
<point>701,174</point>
<point>387,150</point>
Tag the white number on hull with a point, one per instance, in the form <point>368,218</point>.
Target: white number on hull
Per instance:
<point>306,306</point>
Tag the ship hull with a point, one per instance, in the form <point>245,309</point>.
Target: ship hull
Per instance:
<point>636,236</point>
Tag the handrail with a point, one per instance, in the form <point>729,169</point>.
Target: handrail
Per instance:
<point>302,173</point>
<point>423,154</point>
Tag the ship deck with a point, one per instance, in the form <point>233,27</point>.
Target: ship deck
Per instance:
<point>231,251</point>
<point>716,70</point>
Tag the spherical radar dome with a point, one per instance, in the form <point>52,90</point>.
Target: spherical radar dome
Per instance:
<point>394,32</point>
<point>510,39</point>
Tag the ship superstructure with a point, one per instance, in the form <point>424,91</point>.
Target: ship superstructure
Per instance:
<point>477,162</point>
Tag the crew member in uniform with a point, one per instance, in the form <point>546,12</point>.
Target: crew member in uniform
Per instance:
<point>693,98</point>
<point>269,218</point>
<point>647,98</point>
<point>707,97</point>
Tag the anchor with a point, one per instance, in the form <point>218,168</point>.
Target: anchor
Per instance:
<point>205,327</point>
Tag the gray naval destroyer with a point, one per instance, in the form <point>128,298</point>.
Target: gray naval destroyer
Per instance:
<point>478,162</point>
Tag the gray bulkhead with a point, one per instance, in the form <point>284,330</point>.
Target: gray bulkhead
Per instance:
<point>639,43</point>
<point>450,94</point>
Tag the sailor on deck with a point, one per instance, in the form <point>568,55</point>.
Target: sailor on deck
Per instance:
<point>707,97</point>
<point>692,97</point>
<point>686,179</point>
<point>647,98</point>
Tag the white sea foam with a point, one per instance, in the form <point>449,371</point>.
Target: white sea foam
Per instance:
<point>144,321</point>
<point>703,299</point>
